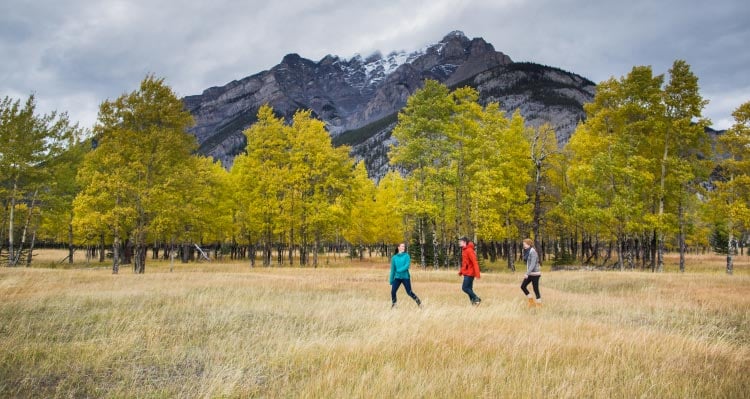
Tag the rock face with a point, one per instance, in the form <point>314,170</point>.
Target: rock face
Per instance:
<point>543,94</point>
<point>359,98</point>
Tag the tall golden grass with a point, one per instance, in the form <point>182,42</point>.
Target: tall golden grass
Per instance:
<point>226,330</point>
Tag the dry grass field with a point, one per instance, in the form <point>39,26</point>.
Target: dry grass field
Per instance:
<point>226,330</point>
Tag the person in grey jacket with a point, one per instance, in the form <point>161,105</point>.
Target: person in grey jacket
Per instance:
<point>533,273</point>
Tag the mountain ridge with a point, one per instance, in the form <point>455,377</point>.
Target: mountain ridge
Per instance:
<point>353,96</point>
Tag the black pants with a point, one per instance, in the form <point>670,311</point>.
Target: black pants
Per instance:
<point>468,288</point>
<point>534,280</point>
<point>407,286</point>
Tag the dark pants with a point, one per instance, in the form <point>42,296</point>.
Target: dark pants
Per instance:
<point>468,288</point>
<point>534,280</point>
<point>407,286</point>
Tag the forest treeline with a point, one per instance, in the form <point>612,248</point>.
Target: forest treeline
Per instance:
<point>640,176</point>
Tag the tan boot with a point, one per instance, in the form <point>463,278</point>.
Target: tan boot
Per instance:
<point>538,304</point>
<point>531,302</point>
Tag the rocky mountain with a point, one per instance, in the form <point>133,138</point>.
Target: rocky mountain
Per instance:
<point>542,94</point>
<point>359,98</point>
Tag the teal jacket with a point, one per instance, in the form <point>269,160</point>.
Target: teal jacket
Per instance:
<point>400,267</point>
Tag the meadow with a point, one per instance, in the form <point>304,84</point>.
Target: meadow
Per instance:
<point>228,330</point>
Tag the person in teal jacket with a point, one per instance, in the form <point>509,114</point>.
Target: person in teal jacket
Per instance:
<point>400,263</point>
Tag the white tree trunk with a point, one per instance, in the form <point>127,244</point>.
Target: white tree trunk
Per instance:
<point>11,251</point>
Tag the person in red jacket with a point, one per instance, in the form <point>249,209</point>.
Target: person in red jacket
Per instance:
<point>469,269</point>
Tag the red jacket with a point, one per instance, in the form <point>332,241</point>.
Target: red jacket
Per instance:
<point>469,265</point>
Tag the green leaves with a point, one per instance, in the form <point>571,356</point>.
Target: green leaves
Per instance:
<point>730,201</point>
<point>468,166</point>
<point>291,185</point>
<point>136,177</point>
<point>632,172</point>
<point>638,151</point>
<point>29,146</point>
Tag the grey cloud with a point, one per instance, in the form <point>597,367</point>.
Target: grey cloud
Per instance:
<point>74,51</point>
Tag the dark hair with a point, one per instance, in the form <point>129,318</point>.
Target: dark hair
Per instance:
<point>465,239</point>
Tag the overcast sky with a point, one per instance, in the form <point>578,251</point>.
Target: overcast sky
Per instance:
<point>74,54</point>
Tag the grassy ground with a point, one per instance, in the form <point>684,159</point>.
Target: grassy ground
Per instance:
<point>225,330</point>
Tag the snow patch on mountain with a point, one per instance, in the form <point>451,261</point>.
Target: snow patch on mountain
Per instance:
<point>365,73</point>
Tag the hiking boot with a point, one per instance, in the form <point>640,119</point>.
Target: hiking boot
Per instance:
<point>393,305</point>
<point>532,302</point>
<point>419,303</point>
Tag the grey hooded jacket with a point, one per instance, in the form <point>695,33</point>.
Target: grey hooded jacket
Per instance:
<point>532,263</point>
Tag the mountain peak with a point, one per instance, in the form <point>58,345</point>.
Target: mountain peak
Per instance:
<point>329,59</point>
<point>291,58</point>
<point>456,34</point>
<point>374,57</point>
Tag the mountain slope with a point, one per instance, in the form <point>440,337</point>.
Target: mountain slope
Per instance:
<point>542,94</point>
<point>359,98</point>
